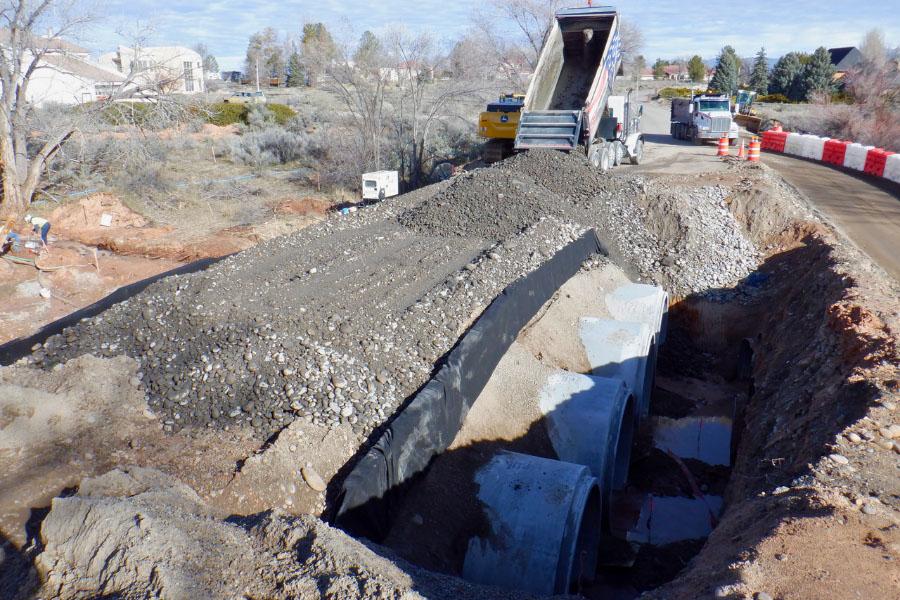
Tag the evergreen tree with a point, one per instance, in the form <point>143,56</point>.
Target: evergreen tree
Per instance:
<point>659,68</point>
<point>759,78</point>
<point>368,50</point>
<point>817,75</point>
<point>696,68</point>
<point>727,74</point>
<point>784,74</point>
<point>295,76</point>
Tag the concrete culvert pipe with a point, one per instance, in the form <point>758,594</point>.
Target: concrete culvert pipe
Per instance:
<point>641,303</point>
<point>622,350</point>
<point>590,421</point>
<point>544,517</point>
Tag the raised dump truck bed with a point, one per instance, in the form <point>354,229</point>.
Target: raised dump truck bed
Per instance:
<point>573,80</point>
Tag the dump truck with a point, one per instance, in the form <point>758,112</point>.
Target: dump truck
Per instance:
<point>569,105</point>
<point>703,117</point>
<point>498,124</point>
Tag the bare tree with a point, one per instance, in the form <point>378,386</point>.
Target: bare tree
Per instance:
<point>873,47</point>
<point>422,102</point>
<point>358,77</point>
<point>532,21</point>
<point>631,41</point>
<point>33,41</point>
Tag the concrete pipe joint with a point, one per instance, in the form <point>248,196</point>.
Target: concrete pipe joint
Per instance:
<point>590,421</point>
<point>623,350</point>
<point>544,518</point>
<point>642,303</point>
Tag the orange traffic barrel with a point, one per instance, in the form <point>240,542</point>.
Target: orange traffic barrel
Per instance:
<point>723,147</point>
<point>753,150</point>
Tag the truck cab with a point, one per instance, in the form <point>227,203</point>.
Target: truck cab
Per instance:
<point>704,117</point>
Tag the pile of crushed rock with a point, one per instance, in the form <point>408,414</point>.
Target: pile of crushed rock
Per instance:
<point>340,322</point>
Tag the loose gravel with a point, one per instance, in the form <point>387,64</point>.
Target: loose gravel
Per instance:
<point>340,322</point>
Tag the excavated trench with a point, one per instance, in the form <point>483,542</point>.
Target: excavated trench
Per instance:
<point>718,377</point>
<point>752,381</point>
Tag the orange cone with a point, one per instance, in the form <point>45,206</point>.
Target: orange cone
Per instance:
<point>741,154</point>
<point>723,147</point>
<point>754,150</point>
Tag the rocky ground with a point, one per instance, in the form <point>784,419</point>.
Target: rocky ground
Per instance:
<point>341,321</point>
<point>321,334</point>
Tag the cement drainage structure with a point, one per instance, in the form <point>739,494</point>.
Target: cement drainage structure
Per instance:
<point>548,517</point>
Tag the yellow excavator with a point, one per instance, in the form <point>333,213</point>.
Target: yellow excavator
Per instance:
<point>498,125</point>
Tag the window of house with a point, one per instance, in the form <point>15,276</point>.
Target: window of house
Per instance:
<point>188,76</point>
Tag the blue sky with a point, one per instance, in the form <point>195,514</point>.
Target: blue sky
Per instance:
<point>671,27</point>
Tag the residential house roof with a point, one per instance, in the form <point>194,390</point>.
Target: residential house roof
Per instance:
<point>83,69</point>
<point>846,58</point>
<point>54,43</point>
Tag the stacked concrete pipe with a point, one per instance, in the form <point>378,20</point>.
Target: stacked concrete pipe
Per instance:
<point>546,515</point>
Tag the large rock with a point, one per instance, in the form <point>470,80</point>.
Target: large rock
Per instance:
<point>137,533</point>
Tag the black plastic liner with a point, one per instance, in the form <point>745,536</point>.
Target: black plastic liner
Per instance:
<point>12,351</point>
<point>430,422</point>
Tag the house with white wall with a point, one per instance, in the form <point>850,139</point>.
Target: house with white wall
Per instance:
<point>170,69</point>
<point>65,74</point>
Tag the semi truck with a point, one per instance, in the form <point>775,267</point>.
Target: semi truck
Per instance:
<point>702,118</point>
<point>569,105</point>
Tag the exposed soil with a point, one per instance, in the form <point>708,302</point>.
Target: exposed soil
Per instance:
<point>363,304</point>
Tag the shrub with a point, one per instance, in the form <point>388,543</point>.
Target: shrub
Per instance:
<point>282,114</point>
<point>224,113</point>
<point>774,98</point>
<point>675,92</point>
<point>270,146</point>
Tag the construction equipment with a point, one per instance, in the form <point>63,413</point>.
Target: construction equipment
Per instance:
<point>744,115</point>
<point>702,118</point>
<point>569,105</point>
<point>498,124</point>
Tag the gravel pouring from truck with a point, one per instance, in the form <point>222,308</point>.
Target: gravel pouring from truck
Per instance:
<point>569,103</point>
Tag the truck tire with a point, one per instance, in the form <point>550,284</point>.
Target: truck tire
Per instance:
<point>606,158</point>
<point>618,153</point>
<point>638,155</point>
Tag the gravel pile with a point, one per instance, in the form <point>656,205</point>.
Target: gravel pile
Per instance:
<point>340,322</point>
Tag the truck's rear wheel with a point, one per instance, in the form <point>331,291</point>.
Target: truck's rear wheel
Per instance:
<point>638,155</point>
<point>618,153</point>
<point>606,158</point>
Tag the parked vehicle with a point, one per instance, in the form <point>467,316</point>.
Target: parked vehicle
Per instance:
<point>703,118</point>
<point>246,98</point>
<point>379,185</point>
<point>569,105</point>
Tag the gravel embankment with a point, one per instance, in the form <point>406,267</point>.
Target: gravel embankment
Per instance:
<point>340,322</point>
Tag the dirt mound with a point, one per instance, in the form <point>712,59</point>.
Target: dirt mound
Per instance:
<point>87,213</point>
<point>137,533</point>
<point>309,206</point>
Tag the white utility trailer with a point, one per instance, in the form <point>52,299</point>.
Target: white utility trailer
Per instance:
<point>379,185</point>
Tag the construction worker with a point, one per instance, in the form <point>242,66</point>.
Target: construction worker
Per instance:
<point>9,239</point>
<point>41,226</point>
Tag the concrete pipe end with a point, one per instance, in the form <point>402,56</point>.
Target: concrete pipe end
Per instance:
<point>544,517</point>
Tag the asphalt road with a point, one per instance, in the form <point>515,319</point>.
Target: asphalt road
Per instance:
<point>866,214</point>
